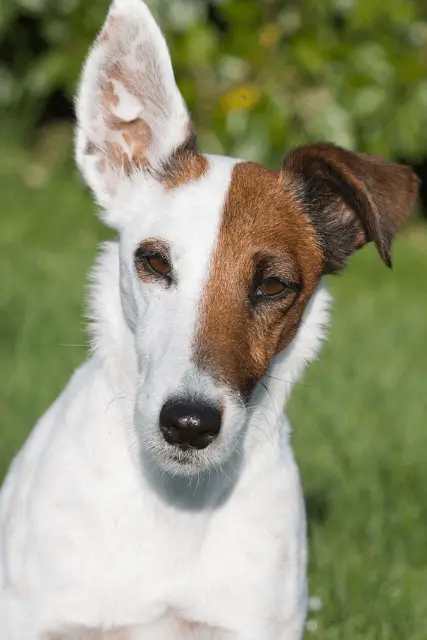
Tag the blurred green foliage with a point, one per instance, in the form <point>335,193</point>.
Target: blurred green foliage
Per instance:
<point>259,75</point>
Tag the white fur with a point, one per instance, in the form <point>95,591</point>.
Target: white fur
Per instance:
<point>99,527</point>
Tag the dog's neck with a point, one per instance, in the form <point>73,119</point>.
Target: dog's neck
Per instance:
<point>114,344</point>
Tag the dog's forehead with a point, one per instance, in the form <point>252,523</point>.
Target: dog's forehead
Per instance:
<point>187,216</point>
<point>235,200</point>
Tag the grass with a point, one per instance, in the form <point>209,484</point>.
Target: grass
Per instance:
<point>360,420</point>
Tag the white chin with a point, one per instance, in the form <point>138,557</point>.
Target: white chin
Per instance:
<point>185,463</point>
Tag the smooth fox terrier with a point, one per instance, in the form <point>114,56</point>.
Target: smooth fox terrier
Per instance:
<point>158,498</point>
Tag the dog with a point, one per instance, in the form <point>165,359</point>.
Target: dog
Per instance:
<point>158,497</point>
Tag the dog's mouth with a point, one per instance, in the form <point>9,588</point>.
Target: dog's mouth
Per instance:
<point>184,455</point>
<point>187,460</point>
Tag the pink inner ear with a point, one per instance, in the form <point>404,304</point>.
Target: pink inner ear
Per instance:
<point>131,115</point>
<point>123,60</point>
<point>127,138</point>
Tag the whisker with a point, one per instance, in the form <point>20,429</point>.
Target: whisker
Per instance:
<point>310,328</point>
<point>263,432</point>
<point>88,345</point>
<point>64,344</point>
<point>121,395</point>
<point>270,394</point>
<point>300,384</point>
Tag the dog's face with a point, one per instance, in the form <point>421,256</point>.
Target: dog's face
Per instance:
<point>218,257</point>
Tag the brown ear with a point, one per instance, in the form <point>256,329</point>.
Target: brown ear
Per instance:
<point>351,198</point>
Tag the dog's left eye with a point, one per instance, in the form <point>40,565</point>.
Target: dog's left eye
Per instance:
<point>270,288</point>
<point>153,263</point>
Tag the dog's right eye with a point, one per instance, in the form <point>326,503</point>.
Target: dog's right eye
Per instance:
<point>153,264</point>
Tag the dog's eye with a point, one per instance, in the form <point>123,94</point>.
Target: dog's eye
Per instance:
<point>153,263</point>
<point>274,289</point>
<point>159,265</point>
<point>269,288</point>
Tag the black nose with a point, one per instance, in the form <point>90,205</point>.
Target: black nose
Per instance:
<point>189,425</point>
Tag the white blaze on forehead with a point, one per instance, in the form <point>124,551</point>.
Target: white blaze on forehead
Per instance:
<point>193,231</point>
<point>188,219</point>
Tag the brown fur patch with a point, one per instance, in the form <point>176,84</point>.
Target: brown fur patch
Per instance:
<point>185,164</point>
<point>184,167</point>
<point>129,79</point>
<point>109,96</point>
<point>137,136</point>
<point>351,198</point>
<point>263,226</point>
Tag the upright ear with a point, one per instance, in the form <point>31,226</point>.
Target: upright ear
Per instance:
<point>130,114</point>
<point>350,198</point>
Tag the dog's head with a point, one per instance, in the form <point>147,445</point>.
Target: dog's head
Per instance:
<point>218,257</point>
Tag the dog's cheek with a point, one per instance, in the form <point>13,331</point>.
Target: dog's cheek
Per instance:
<point>264,334</point>
<point>129,294</point>
<point>290,325</point>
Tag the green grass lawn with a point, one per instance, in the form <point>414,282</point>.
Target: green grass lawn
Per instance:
<point>360,418</point>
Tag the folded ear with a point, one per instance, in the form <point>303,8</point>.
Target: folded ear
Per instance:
<point>130,113</point>
<point>351,198</point>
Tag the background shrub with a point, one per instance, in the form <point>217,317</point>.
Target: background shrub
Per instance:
<point>259,75</point>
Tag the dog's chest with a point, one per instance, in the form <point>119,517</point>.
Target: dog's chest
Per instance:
<point>169,627</point>
<point>137,560</point>
<point>118,556</point>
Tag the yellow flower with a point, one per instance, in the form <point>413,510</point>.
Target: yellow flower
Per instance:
<point>268,35</point>
<point>241,98</point>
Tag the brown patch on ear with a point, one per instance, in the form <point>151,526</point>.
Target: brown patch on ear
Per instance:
<point>351,198</point>
<point>185,165</point>
<point>137,136</point>
<point>131,108</point>
<point>263,227</point>
<point>136,133</point>
<point>129,79</point>
<point>109,96</point>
